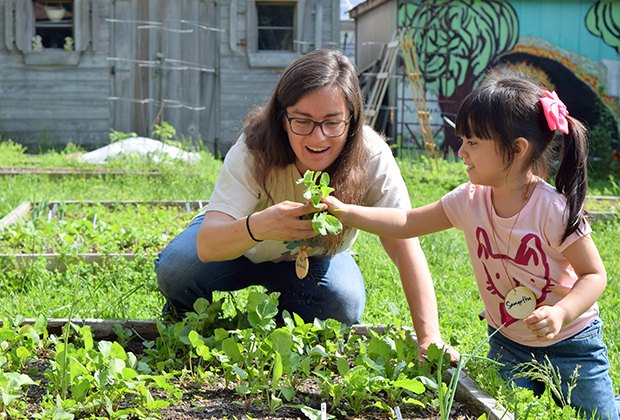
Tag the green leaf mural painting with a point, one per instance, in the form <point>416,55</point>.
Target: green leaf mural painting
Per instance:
<point>458,41</point>
<point>603,20</point>
<point>457,44</point>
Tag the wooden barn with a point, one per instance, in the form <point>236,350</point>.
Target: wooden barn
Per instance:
<point>72,70</point>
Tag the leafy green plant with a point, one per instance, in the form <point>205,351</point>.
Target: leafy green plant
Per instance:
<point>116,136</point>
<point>439,360</point>
<point>11,384</point>
<point>19,345</point>
<point>167,134</point>
<point>317,187</point>
<point>100,376</point>
<point>164,131</point>
<point>546,373</point>
<point>11,153</point>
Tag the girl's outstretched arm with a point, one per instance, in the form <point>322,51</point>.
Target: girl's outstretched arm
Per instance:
<point>391,222</point>
<point>547,321</point>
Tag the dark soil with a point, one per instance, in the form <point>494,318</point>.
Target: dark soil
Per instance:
<point>213,399</point>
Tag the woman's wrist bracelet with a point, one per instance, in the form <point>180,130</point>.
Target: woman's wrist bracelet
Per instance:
<point>247,225</point>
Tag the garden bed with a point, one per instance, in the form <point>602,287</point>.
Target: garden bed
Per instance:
<point>603,207</point>
<point>68,232</point>
<point>212,398</point>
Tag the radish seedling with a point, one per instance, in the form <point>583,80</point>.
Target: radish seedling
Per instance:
<point>323,223</point>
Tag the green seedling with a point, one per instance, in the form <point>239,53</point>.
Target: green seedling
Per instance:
<point>317,187</point>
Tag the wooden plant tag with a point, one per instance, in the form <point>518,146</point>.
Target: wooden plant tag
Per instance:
<point>520,302</point>
<point>302,264</point>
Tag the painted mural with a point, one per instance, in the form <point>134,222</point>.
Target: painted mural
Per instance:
<point>575,52</point>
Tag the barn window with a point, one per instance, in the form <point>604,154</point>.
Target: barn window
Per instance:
<point>272,32</point>
<point>275,25</point>
<point>51,32</point>
<point>53,25</point>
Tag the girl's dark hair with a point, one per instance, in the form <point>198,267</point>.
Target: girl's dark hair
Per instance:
<point>268,142</point>
<point>507,106</point>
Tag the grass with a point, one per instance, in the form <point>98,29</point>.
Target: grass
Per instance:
<point>124,289</point>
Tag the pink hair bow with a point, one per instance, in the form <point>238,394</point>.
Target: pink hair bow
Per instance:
<point>555,111</point>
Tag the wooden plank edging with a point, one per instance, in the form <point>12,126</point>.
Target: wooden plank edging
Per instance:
<point>60,261</point>
<point>71,171</point>
<point>467,390</point>
<point>17,213</point>
<point>188,205</point>
<point>103,329</point>
<point>603,197</point>
<point>24,208</point>
<point>602,215</point>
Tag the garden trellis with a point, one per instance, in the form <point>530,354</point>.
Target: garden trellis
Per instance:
<point>167,70</point>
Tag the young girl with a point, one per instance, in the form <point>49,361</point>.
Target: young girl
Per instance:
<point>538,271</point>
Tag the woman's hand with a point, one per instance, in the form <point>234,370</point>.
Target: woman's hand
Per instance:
<point>223,238</point>
<point>423,349</point>
<point>284,222</point>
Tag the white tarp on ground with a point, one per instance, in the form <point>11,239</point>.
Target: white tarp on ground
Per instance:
<point>142,146</point>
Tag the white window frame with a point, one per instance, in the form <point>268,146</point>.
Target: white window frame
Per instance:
<point>290,8</point>
<point>20,28</point>
<point>272,58</point>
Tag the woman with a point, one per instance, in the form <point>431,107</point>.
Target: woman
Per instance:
<point>251,231</point>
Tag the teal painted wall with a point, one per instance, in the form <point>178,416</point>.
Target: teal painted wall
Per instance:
<point>562,24</point>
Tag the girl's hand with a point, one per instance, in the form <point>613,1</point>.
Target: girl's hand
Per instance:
<point>337,208</point>
<point>546,322</point>
<point>284,222</point>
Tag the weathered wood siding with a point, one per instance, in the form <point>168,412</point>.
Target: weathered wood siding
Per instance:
<point>245,85</point>
<point>191,63</point>
<point>163,59</point>
<point>42,105</point>
<point>374,30</point>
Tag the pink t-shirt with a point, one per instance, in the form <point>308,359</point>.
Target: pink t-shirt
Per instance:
<point>533,258</point>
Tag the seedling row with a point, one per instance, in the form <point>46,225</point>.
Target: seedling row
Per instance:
<point>71,228</point>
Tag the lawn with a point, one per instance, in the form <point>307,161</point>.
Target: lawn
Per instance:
<point>122,289</point>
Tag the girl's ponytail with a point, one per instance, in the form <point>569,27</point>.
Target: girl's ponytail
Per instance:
<point>572,176</point>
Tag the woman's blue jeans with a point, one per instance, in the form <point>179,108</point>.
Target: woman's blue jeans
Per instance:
<point>333,288</point>
<point>586,349</point>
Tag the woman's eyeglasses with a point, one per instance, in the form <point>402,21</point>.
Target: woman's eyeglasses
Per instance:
<point>329,128</point>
